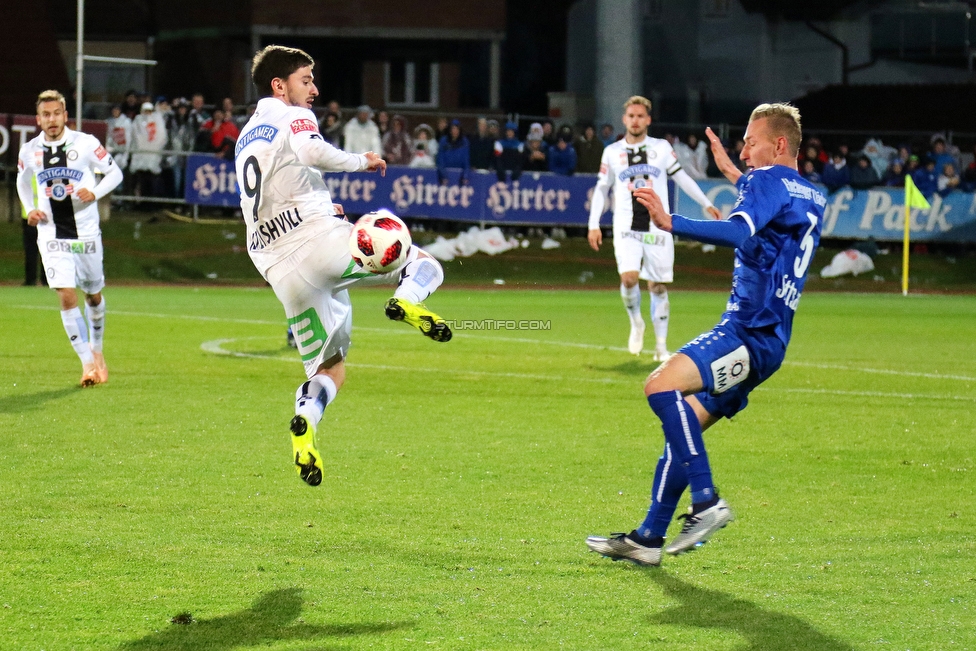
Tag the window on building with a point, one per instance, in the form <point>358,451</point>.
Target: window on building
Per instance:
<point>411,83</point>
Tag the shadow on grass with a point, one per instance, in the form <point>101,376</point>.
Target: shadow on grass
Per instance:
<point>765,630</point>
<point>633,367</point>
<point>266,622</point>
<point>32,401</point>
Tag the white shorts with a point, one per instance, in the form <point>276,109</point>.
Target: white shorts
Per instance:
<point>649,253</point>
<point>73,263</point>
<point>311,284</point>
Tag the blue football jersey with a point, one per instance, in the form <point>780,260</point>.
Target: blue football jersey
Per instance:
<point>784,213</point>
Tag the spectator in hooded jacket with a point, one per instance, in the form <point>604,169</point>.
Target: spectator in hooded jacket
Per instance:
<point>361,134</point>
<point>148,137</point>
<point>562,155</point>
<point>397,145</point>
<point>836,174</point>
<point>534,157</point>
<point>453,151</point>
<point>863,175</point>
<point>508,154</point>
<point>424,147</point>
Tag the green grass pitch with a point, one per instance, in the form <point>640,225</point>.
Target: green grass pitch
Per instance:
<point>462,478</point>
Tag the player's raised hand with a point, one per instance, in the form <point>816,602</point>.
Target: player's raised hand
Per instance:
<point>376,162</point>
<point>35,217</point>
<point>722,160</point>
<point>648,198</point>
<point>595,238</point>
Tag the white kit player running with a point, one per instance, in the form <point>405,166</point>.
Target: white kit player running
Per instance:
<point>642,250</point>
<point>57,166</point>
<point>300,246</point>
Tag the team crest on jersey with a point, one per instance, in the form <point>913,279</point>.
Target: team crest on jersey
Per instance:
<point>651,155</point>
<point>58,191</point>
<point>303,125</point>
<point>73,154</point>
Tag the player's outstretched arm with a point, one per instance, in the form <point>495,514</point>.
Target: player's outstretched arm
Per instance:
<point>722,160</point>
<point>691,188</point>
<point>375,162</point>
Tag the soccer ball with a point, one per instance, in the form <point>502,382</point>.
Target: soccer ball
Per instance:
<point>379,242</point>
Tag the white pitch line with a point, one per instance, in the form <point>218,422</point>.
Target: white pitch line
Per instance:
<point>216,347</point>
<point>841,367</point>
<point>525,340</point>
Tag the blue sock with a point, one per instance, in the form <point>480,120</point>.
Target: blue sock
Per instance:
<point>670,481</point>
<point>683,433</point>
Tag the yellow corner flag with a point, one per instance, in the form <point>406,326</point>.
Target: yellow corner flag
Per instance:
<point>913,199</point>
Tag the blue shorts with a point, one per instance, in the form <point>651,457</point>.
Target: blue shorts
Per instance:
<point>732,362</point>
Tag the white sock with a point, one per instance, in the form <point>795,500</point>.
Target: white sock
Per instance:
<point>419,278</point>
<point>96,325</point>
<point>77,330</point>
<point>660,314</point>
<point>632,300</point>
<point>314,396</point>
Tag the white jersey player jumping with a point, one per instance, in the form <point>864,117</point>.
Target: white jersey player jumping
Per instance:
<point>59,190</point>
<point>642,250</point>
<point>300,246</point>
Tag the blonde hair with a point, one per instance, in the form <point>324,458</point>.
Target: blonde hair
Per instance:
<point>637,99</point>
<point>783,120</point>
<point>51,96</point>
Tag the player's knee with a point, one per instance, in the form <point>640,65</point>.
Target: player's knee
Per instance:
<point>629,280</point>
<point>335,368</point>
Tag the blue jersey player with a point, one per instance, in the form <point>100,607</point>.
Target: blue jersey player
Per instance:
<point>774,228</point>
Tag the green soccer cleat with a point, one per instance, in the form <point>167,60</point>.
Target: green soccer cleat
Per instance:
<point>429,324</point>
<point>308,461</point>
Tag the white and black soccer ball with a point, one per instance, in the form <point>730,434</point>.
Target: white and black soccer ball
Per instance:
<point>379,241</point>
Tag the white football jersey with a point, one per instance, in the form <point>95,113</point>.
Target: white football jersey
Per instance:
<point>61,168</point>
<point>626,167</point>
<point>284,201</point>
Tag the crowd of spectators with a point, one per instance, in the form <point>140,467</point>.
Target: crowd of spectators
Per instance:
<point>149,140</point>
<point>934,167</point>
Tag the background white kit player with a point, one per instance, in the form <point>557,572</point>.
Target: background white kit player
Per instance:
<point>642,250</point>
<point>59,190</point>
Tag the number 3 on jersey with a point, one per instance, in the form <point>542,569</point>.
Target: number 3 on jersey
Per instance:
<point>252,189</point>
<point>806,245</point>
